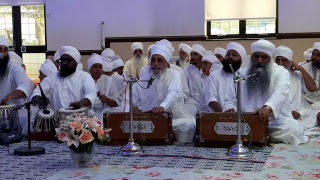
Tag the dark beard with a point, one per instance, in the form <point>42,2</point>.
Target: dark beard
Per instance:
<point>66,71</point>
<point>236,65</point>
<point>262,84</point>
<point>3,66</point>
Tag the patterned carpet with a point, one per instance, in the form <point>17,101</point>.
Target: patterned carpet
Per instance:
<point>57,158</point>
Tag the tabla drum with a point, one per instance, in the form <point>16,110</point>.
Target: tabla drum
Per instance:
<point>70,112</point>
<point>44,126</point>
<point>9,118</point>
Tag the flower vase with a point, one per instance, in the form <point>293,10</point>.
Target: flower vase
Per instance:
<point>83,155</point>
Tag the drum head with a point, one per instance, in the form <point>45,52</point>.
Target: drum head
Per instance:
<point>71,110</point>
<point>7,106</point>
<point>46,113</point>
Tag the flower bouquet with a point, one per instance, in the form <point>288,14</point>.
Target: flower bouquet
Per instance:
<point>80,133</point>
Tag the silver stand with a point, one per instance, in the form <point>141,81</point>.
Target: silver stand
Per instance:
<point>131,148</point>
<point>238,150</point>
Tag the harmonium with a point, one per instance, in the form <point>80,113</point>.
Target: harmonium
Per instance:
<point>148,128</point>
<point>221,129</point>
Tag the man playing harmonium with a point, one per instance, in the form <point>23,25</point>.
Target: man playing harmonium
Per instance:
<point>268,95</point>
<point>69,86</point>
<point>165,94</point>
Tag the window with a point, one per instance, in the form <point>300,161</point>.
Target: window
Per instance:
<point>6,23</point>
<point>243,19</point>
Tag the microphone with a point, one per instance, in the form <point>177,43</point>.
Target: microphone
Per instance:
<point>150,81</point>
<point>257,75</point>
<point>44,100</point>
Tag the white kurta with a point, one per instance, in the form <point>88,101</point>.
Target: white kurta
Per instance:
<point>217,86</point>
<point>120,86</point>
<point>167,93</point>
<point>64,91</point>
<point>17,79</point>
<point>133,66</point>
<point>298,103</point>
<point>193,77</point>
<point>282,126</point>
<point>105,86</point>
<point>313,97</point>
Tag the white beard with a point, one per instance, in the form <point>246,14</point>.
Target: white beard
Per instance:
<point>184,63</point>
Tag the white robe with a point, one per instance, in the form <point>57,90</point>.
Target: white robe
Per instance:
<point>167,93</point>
<point>133,66</point>
<point>313,97</point>
<point>64,91</point>
<point>105,86</point>
<point>217,86</point>
<point>298,103</point>
<point>282,126</point>
<point>17,79</point>
<point>121,90</point>
<point>193,77</point>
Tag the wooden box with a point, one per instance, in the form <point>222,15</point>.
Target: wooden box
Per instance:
<point>220,129</point>
<point>148,128</point>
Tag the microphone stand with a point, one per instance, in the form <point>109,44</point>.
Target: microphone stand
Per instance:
<point>238,150</point>
<point>131,148</point>
<point>29,151</point>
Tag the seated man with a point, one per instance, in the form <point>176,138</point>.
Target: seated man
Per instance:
<point>268,95</point>
<point>165,94</point>
<point>69,86</point>
<point>106,87</point>
<point>300,81</point>
<point>220,53</point>
<point>220,81</point>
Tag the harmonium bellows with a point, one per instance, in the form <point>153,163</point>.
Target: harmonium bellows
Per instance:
<point>220,129</point>
<point>148,128</point>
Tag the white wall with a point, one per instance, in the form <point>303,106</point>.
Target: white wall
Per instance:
<point>299,16</point>
<point>77,22</point>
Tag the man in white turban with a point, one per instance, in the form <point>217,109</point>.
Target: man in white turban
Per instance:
<point>118,64</point>
<point>133,66</point>
<point>184,55</point>
<point>300,81</point>
<point>105,87</point>
<point>220,53</point>
<point>193,75</point>
<point>69,86</point>
<point>108,66</point>
<point>165,94</point>
<point>149,51</point>
<point>312,68</point>
<point>56,60</point>
<point>108,52</point>
<point>220,81</point>
<point>46,69</point>
<point>267,95</point>
<point>307,56</point>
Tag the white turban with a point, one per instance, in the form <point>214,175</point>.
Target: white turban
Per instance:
<point>211,57</point>
<point>4,41</point>
<point>71,51</point>
<point>220,51</point>
<point>15,58</point>
<point>263,46</point>
<point>166,43</point>
<point>80,66</point>
<point>108,52</point>
<point>199,49</point>
<point>116,61</point>
<point>107,65</point>
<point>136,45</point>
<point>185,47</point>
<point>162,50</point>
<point>239,48</point>
<point>48,67</point>
<point>94,60</point>
<point>151,46</point>
<point>56,56</point>
<point>283,51</point>
<point>316,46</point>
<point>307,54</point>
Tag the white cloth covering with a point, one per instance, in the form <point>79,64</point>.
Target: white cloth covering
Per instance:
<point>210,57</point>
<point>121,89</point>
<point>48,67</point>
<point>95,59</point>
<point>116,62</point>
<point>80,66</point>
<point>56,56</point>
<point>167,93</point>
<point>107,65</point>
<point>283,51</point>
<point>73,52</point>
<point>312,97</point>
<point>316,45</point>
<point>307,54</point>
<point>64,91</point>
<point>283,128</point>
<point>185,47</point>
<point>133,66</point>
<point>193,77</point>
<point>105,86</point>
<point>199,49</point>
<point>239,48</point>
<point>298,103</point>
<point>162,50</point>
<point>4,41</point>
<point>263,46</point>
<point>15,58</point>
<point>108,52</point>
<point>136,45</point>
<point>220,51</point>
